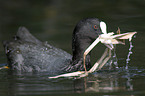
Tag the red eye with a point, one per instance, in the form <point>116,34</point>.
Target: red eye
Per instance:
<point>95,27</point>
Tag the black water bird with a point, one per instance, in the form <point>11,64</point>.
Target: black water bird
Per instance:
<point>26,53</point>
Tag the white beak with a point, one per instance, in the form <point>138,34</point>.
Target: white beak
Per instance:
<point>103,27</point>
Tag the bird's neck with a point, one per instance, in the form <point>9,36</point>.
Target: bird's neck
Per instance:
<point>79,46</point>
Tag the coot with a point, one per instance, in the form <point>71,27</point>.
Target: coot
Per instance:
<point>26,53</point>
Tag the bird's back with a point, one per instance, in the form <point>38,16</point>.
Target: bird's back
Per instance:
<point>26,53</point>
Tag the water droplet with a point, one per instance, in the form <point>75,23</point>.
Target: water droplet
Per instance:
<point>18,51</point>
<point>130,52</point>
<point>7,51</point>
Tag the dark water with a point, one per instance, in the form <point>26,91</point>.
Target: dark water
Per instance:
<point>53,21</point>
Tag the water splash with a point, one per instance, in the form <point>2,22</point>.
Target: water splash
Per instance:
<point>128,83</point>
<point>128,56</point>
<point>113,61</point>
<point>115,58</point>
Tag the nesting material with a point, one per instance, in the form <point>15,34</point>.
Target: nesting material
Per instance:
<point>109,39</point>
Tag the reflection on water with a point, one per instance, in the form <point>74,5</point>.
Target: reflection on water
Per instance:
<point>104,81</point>
<point>109,83</point>
<point>53,21</point>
